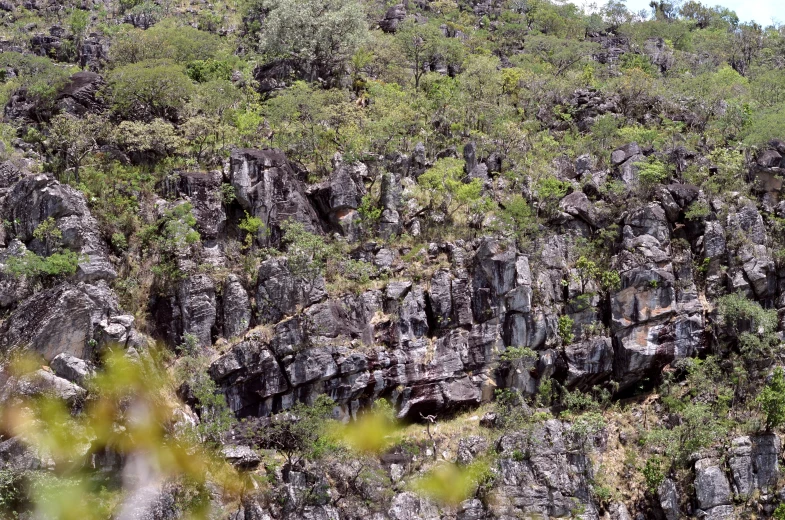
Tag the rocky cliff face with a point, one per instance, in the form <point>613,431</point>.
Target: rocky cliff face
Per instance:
<point>433,341</point>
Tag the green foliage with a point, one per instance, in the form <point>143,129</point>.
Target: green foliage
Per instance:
<point>421,43</point>
<point>159,87</point>
<point>754,326</point>
<point>654,472</point>
<point>588,271</point>
<point>767,125</point>
<point>451,484</point>
<point>698,210</point>
<point>300,433</point>
<point>43,269</point>
<point>444,188</point>
<point>772,399</point>
<point>638,61</point>
<point>321,35</point>
<point>307,254</point>
<point>549,191</point>
<point>11,492</point>
<point>586,426</point>
<point>651,172</point>
<point>75,491</point>
<point>228,193</point>
<point>308,123</point>
<point>203,71</point>
<point>156,139</point>
<point>779,513</point>
<point>369,211</point>
<point>167,41</point>
<point>74,139</point>
<point>169,236</point>
<point>565,327</point>
<point>78,20</point>
<point>215,417</point>
<point>174,230</point>
<point>514,354</point>
<point>252,227</point>
<point>699,428</point>
<point>518,217</point>
<point>41,78</point>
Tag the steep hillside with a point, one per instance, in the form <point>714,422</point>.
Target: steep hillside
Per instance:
<point>343,259</point>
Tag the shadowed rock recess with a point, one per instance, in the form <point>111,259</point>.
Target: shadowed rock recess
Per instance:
<point>466,260</point>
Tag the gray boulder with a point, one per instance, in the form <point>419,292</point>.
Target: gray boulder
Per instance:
<point>624,153</point>
<point>236,307</point>
<point>588,362</point>
<point>669,499</point>
<point>280,293</point>
<point>71,368</point>
<point>712,488</point>
<point>196,299</point>
<point>267,187</point>
<point>393,18</point>
<point>42,383</point>
<point>754,463</point>
<point>65,319</point>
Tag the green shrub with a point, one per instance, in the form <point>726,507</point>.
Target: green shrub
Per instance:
<point>252,227</point>
<point>44,269</point>
<point>772,399</point>
<point>651,172</point>
<point>565,329</point>
<point>654,473</point>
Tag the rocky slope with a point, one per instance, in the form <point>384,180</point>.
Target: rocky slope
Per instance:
<point>605,352</point>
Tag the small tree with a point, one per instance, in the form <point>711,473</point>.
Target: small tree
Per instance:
<point>159,87</point>
<point>74,139</point>
<point>299,434</point>
<point>320,35</point>
<point>420,44</point>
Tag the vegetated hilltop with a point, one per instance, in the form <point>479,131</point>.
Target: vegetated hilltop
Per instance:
<point>531,257</point>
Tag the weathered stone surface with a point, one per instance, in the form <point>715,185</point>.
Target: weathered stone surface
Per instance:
<point>393,18</point>
<point>64,319</point>
<point>340,196</point>
<point>619,511</point>
<point>236,307</point>
<point>711,485</point>
<point>241,457</point>
<point>656,316</point>
<point>80,94</point>
<point>754,463</point>
<point>588,362</point>
<point>34,199</point>
<point>769,159</point>
<point>42,383</point>
<point>658,53</point>
<point>196,299</point>
<point>669,499</point>
<point>409,506</point>
<point>547,481</point>
<point>17,456</point>
<point>624,153</point>
<point>577,204</point>
<point>203,191</point>
<point>250,376</point>
<point>71,368</point>
<point>280,293</point>
<point>267,187</point>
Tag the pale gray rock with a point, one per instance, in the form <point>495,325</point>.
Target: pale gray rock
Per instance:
<point>236,307</point>
<point>71,368</point>
<point>712,488</point>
